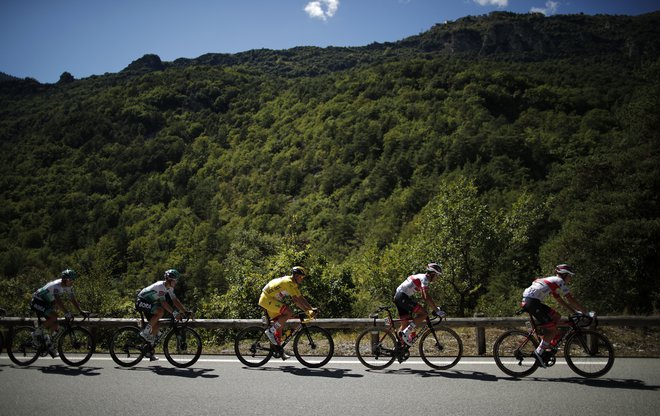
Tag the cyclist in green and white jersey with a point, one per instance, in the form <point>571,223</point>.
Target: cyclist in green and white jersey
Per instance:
<point>154,301</point>
<point>45,302</point>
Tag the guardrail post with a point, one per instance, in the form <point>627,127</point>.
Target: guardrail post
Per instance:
<point>480,335</point>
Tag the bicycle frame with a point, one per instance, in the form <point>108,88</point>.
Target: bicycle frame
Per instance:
<point>566,328</point>
<point>402,350</point>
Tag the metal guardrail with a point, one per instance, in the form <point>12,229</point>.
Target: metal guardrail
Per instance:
<point>479,323</point>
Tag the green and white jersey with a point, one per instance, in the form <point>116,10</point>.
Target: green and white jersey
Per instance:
<point>53,289</point>
<point>157,292</point>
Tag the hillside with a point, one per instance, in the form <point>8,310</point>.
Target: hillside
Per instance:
<point>496,145</point>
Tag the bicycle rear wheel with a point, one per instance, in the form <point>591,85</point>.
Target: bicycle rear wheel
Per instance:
<point>313,346</point>
<point>513,352</point>
<point>376,348</point>
<point>76,346</point>
<point>20,348</point>
<point>589,353</point>
<point>182,347</point>
<point>440,348</point>
<point>252,347</point>
<point>126,346</point>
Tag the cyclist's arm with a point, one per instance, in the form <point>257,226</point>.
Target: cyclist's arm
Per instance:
<point>302,303</point>
<point>179,305</point>
<point>428,299</point>
<point>60,304</point>
<point>75,303</point>
<point>574,304</point>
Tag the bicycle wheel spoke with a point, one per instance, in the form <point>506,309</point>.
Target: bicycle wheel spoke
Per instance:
<point>376,348</point>
<point>252,347</point>
<point>514,353</point>
<point>182,347</point>
<point>313,346</point>
<point>441,348</point>
<point>589,353</point>
<point>21,349</point>
<point>76,346</point>
<point>126,346</point>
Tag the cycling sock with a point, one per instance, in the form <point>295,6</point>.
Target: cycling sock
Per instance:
<point>542,346</point>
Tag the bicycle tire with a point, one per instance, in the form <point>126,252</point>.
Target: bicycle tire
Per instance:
<point>376,348</point>
<point>76,346</point>
<point>20,349</point>
<point>513,352</point>
<point>126,346</point>
<point>589,358</point>
<point>442,351</point>
<point>252,347</point>
<point>313,346</point>
<point>182,347</point>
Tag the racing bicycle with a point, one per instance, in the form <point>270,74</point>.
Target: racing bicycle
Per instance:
<point>312,345</point>
<point>182,345</point>
<point>586,351</point>
<point>75,343</point>
<point>377,348</point>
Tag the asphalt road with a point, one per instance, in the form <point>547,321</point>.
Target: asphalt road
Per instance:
<point>223,386</point>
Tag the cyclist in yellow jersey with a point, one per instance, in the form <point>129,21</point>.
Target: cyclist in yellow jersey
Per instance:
<point>272,296</point>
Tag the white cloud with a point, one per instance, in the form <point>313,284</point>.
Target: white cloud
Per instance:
<point>550,8</point>
<point>322,9</point>
<point>498,3</point>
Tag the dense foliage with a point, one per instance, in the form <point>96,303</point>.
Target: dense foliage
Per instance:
<point>498,146</point>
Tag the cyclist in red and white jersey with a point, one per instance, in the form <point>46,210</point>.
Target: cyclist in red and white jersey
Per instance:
<point>408,306</point>
<point>547,317</point>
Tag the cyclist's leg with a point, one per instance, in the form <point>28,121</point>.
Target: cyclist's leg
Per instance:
<point>278,314</point>
<point>547,318</point>
<point>404,305</point>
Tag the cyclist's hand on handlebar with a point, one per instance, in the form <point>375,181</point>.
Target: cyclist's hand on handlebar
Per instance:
<point>68,315</point>
<point>176,315</point>
<point>85,314</point>
<point>311,314</point>
<point>439,312</point>
<point>592,314</point>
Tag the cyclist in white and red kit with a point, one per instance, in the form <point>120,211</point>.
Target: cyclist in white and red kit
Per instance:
<point>411,312</point>
<point>545,316</point>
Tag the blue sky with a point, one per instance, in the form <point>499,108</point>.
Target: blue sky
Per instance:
<point>43,38</point>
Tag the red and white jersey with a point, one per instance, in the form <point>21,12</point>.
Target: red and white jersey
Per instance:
<point>413,284</point>
<point>545,286</point>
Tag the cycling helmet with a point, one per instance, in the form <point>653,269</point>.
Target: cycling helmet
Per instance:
<point>433,268</point>
<point>564,269</point>
<point>298,270</point>
<point>68,274</point>
<point>172,274</point>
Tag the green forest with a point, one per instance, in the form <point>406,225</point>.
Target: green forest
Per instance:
<point>496,145</point>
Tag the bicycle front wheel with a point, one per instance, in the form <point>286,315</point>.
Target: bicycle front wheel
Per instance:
<point>313,346</point>
<point>182,347</point>
<point>126,346</point>
<point>440,348</point>
<point>376,348</point>
<point>76,346</point>
<point>20,348</point>
<point>513,352</point>
<point>252,346</point>
<point>589,353</point>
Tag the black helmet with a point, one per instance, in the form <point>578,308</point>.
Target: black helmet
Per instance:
<point>68,274</point>
<point>172,274</point>
<point>433,268</point>
<point>298,270</point>
<point>564,269</point>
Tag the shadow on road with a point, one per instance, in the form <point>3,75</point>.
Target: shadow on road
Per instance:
<point>309,372</point>
<point>64,370</point>
<point>176,372</point>
<point>448,374</point>
<point>608,383</point>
